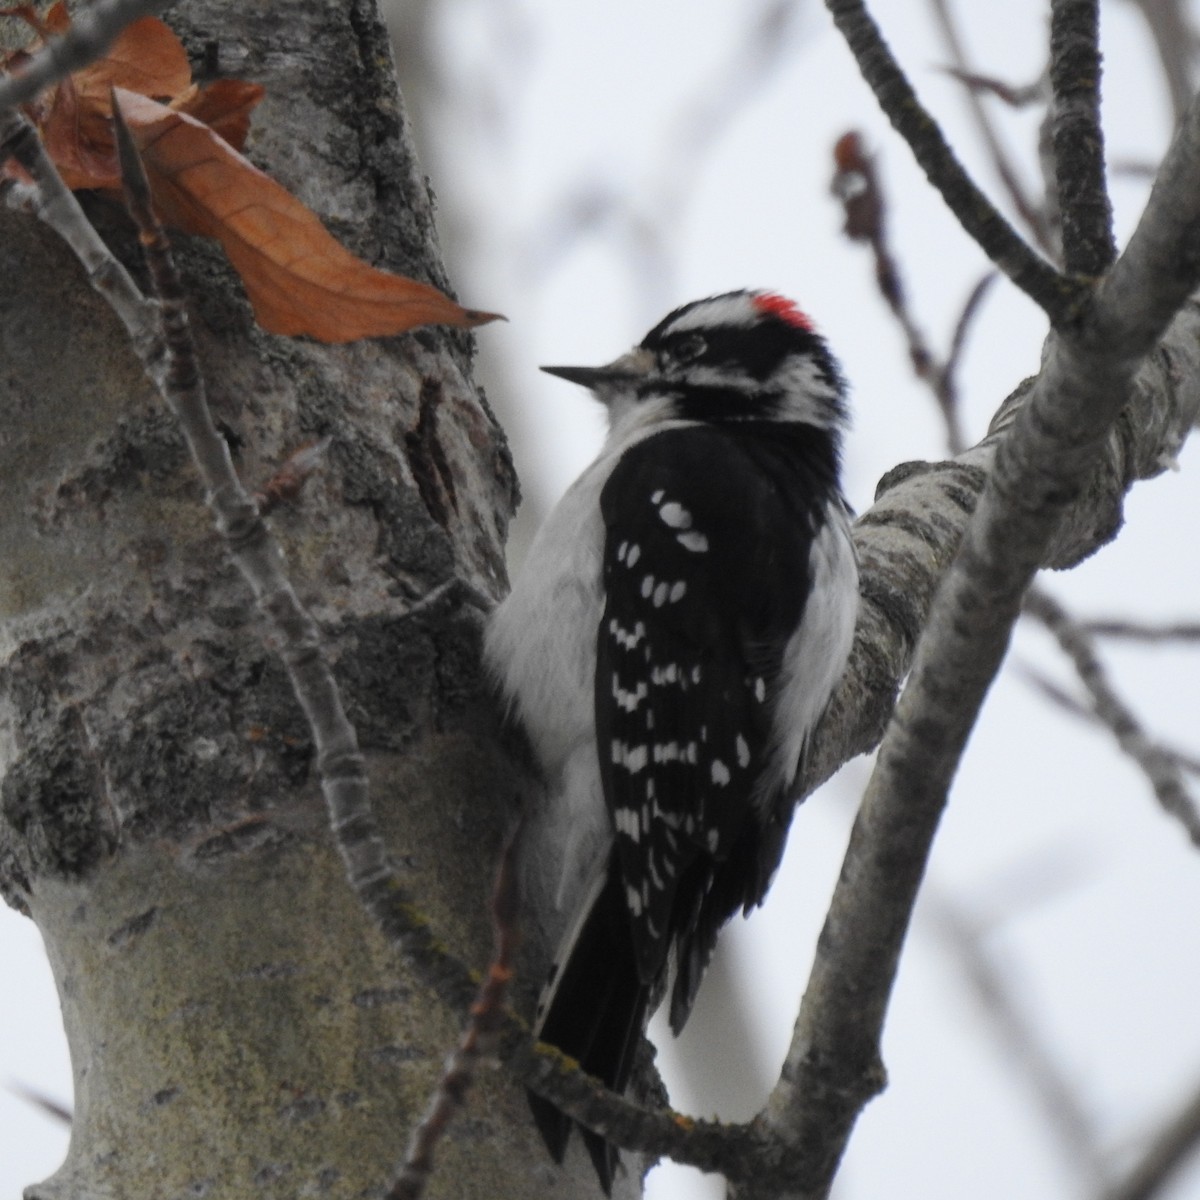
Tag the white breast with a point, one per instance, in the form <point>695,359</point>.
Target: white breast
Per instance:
<point>541,640</point>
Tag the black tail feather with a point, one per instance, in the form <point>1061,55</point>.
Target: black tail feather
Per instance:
<point>594,1011</point>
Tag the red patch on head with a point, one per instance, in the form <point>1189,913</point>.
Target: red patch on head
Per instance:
<point>774,305</point>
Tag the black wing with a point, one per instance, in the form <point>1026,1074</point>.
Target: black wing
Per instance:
<point>706,573</point>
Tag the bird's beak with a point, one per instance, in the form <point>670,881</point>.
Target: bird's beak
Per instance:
<point>628,369</point>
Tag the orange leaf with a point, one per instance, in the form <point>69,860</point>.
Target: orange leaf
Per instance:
<point>76,126</point>
<point>224,106</point>
<point>146,57</point>
<point>299,279</point>
<point>78,136</point>
<point>58,19</point>
<point>78,130</point>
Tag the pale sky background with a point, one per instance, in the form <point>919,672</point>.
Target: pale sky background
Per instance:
<point>1053,843</point>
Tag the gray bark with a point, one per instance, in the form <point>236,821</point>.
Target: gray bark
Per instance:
<point>237,1027</point>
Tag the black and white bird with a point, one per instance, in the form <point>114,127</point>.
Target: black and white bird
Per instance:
<point>671,641</point>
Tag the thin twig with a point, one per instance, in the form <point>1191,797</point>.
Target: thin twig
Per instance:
<point>478,1040</point>
<point>958,341</point>
<point>1157,765</point>
<point>1167,1153</point>
<point>1086,213</point>
<point>1022,1044</point>
<point>1175,40</point>
<point>1057,295</point>
<point>53,203</point>
<point>1056,694</point>
<point>1143,631</point>
<point>1187,762</point>
<point>92,31</point>
<point>1027,210</point>
<point>1014,95</point>
<point>856,184</point>
<point>288,482</point>
<point>52,1108</point>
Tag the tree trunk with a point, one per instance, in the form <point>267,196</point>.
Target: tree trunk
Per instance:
<point>236,1025</point>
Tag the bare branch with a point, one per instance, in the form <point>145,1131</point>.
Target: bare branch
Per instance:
<point>1176,42</point>
<point>52,202</point>
<point>1159,767</point>
<point>1027,209</point>
<point>1054,692</point>
<point>1014,95</point>
<point>1088,246</point>
<point>176,372</point>
<point>744,1154</point>
<point>1058,296</point>
<point>1020,1039</point>
<point>1184,761</point>
<point>1144,631</point>
<point>483,1026</point>
<point>52,1108</point>
<point>1166,1155</point>
<point>856,184</point>
<point>1039,464</point>
<point>958,341</point>
<point>92,32</point>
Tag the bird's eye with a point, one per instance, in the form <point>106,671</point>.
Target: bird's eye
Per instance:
<point>690,348</point>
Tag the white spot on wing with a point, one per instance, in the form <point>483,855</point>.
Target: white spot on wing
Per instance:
<point>678,591</point>
<point>626,821</point>
<point>693,540</point>
<point>655,877</point>
<point>720,773</point>
<point>635,759</point>
<point>675,515</point>
<point>743,752</point>
<point>625,639</point>
<point>635,552</point>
